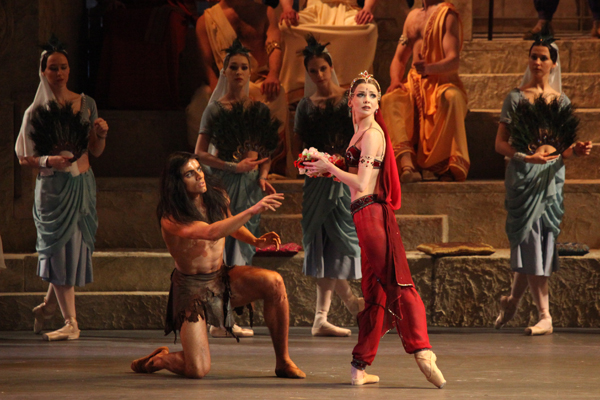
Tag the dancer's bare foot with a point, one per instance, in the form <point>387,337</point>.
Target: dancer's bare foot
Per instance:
<point>145,365</point>
<point>289,370</point>
<point>426,362</point>
<point>543,28</point>
<point>410,175</point>
<point>508,308</point>
<point>360,377</point>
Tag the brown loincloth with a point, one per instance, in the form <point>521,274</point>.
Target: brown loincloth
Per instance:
<point>203,295</point>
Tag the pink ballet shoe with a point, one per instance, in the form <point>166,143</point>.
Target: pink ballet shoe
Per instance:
<point>68,332</point>
<point>507,312</point>
<point>219,332</point>
<point>360,377</point>
<point>426,362</point>
<point>41,313</point>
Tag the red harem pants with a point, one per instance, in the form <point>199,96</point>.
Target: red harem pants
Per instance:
<point>387,286</point>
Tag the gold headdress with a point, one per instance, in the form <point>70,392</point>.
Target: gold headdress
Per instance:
<point>365,77</point>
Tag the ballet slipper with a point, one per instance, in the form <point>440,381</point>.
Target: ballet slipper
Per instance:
<point>410,175</point>
<point>426,362</point>
<point>41,313</point>
<point>290,371</point>
<point>360,377</point>
<point>220,332</point>
<point>543,327</point>
<point>323,328</point>
<point>141,364</point>
<point>507,312</point>
<point>68,332</point>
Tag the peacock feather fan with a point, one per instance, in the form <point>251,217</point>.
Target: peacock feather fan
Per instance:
<point>57,128</point>
<point>242,128</point>
<point>328,129</point>
<point>542,123</point>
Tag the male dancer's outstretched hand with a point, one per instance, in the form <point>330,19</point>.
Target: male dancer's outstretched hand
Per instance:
<point>270,202</point>
<point>268,239</point>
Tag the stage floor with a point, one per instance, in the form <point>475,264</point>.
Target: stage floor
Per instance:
<point>477,363</point>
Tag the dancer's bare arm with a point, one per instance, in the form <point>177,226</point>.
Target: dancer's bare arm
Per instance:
<point>371,144</point>
<point>398,66</point>
<point>217,230</point>
<point>504,148</point>
<point>270,87</point>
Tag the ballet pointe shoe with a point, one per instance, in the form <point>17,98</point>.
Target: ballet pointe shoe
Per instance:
<point>360,377</point>
<point>543,327</point>
<point>141,364</point>
<point>507,312</point>
<point>356,305</point>
<point>426,362</point>
<point>68,332</point>
<point>323,328</point>
<point>41,313</point>
<point>220,332</point>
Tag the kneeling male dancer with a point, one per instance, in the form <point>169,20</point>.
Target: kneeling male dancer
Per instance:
<point>195,219</point>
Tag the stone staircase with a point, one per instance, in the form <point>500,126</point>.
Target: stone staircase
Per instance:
<point>132,267</point>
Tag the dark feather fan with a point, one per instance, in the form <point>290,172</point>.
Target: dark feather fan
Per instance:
<point>241,129</point>
<point>57,129</point>
<point>542,123</point>
<point>328,129</point>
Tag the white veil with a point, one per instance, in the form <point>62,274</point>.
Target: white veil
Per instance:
<point>24,145</point>
<point>310,87</point>
<point>554,79</point>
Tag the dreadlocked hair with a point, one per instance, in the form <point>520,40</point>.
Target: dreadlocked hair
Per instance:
<point>174,202</point>
<point>243,128</point>
<point>314,49</point>
<point>53,46</point>
<point>56,128</point>
<point>542,123</point>
<point>236,48</point>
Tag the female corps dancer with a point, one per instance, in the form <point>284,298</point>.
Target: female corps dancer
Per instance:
<point>65,205</point>
<point>245,180</point>
<point>534,187</point>
<point>388,288</point>
<point>331,247</point>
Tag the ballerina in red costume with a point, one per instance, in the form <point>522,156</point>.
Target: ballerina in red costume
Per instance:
<point>389,292</point>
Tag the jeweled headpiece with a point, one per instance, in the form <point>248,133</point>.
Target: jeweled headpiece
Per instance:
<point>365,77</point>
<point>236,48</point>
<point>54,45</point>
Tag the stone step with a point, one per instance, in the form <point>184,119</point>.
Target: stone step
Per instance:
<point>487,91</point>
<point>419,228</point>
<point>510,56</point>
<point>475,209</point>
<point>482,126</point>
<point>457,292</point>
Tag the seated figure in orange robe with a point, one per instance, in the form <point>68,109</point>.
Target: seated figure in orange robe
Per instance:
<point>425,114</point>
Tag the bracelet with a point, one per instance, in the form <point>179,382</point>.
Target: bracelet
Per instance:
<point>230,166</point>
<point>43,162</point>
<point>271,46</point>
<point>519,156</point>
<point>262,179</point>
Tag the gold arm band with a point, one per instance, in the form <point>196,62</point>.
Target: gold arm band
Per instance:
<point>271,46</point>
<point>404,40</point>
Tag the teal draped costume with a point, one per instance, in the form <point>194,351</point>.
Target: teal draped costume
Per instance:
<point>66,221</point>
<point>534,202</point>
<point>243,191</point>
<point>329,237</point>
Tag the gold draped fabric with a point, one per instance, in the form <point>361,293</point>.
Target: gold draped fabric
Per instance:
<point>352,47</point>
<point>430,115</point>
